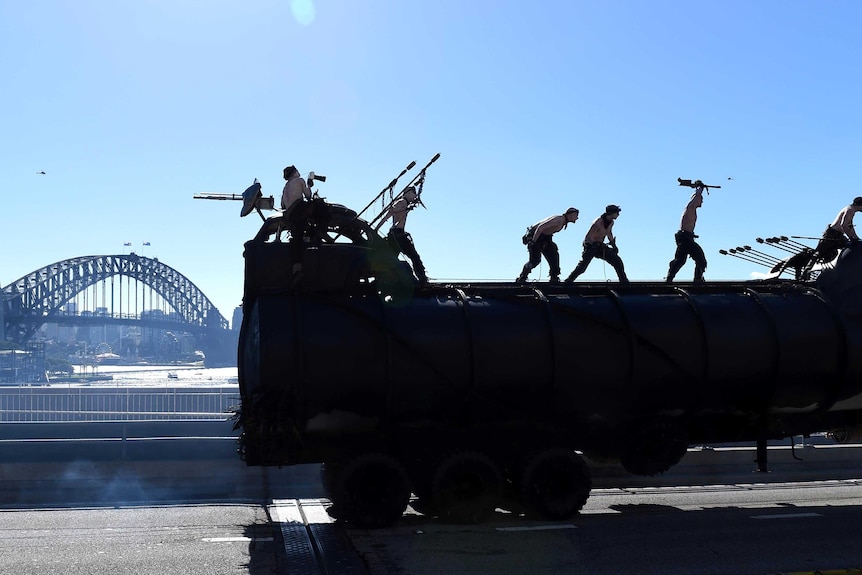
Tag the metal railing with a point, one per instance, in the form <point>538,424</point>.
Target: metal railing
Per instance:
<point>38,404</point>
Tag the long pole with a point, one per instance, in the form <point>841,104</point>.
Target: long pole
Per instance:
<point>775,242</point>
<point>794,243</point>
<point>421,174</point>
<point>389,187</point>
<point>768,257</point>
<point>743,256</point>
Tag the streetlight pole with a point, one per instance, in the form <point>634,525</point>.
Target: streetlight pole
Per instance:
<point>144,285</point>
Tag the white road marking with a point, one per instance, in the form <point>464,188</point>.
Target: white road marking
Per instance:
<point>235,539</point>
<point>786,516</point>
<point>537,528</point>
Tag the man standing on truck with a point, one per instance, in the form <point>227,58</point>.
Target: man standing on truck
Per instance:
<point>595,246</point>
<point>685,244</point>
<point>402,240</point>
<point>539,241</point>
<point>294,198</point>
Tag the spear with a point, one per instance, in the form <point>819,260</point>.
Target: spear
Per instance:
<point>767,257</point>
<point>744,257</point>
<point>799,245</point>
<point>774,242</point>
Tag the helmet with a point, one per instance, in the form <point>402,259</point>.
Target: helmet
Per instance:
<point>572,211</point>
<point>857,201</point>
<point>612,209</point>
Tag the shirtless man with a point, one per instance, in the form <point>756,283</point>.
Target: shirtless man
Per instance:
<point>685,244</point>
<point>293,195</point>
<point>295,189</point>
<point>398,212</point>
<point>838,232</point>
<point>843,223</point>
<point>594,246</point>
<point>541,243</point>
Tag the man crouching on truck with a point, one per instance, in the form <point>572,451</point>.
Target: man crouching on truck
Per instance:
<point>841,229</point>
<point>539,241</point>
<point>594,246</point>
<point>836,236</point>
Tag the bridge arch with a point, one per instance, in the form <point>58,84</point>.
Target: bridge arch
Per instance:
<point>36,298</point>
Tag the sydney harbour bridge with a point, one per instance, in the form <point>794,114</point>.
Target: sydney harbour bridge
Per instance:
<point>127,289</point>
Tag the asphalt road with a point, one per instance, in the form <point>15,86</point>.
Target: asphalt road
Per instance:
<point>186,507</point>
<point>207,539</point>
<point>757,529</point>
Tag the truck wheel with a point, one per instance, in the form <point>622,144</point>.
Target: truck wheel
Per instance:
<point>839,435</point>
<point>371,491</point>
<point>555,483</point>
<point>654,447</point>
<point>466,486</point>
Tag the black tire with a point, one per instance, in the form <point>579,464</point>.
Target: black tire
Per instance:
<point>466,487</point>
<point>555,483</point>
<point>654,447</point>
<point>839,435</point>
<point>371,491</point>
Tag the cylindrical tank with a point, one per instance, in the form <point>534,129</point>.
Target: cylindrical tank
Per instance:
<point>587,356</point>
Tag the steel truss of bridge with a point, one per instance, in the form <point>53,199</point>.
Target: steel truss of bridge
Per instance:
<point>39,297</point>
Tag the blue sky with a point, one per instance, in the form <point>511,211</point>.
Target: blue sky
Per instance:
<point>131,108</point>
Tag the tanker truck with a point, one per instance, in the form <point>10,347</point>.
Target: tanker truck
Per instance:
<point>456,392</point>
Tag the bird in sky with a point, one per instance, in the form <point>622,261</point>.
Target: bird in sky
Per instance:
<point>40,173</point>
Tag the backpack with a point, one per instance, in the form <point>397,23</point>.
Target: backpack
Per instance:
<point>528,236</point>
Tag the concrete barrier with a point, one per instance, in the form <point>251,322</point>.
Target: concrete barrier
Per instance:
<point>736,464</point>
<point>194,459</point>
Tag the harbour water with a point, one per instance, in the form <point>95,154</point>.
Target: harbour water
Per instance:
<point>157,376</point>
<point>133,393</point>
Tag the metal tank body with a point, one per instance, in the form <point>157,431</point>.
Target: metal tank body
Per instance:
<point>588,356</point>
<point>357,359</point>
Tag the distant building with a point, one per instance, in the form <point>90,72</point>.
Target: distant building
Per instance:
<point>23,366</point>
<point>236,320</point>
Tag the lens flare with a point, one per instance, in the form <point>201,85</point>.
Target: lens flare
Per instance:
<point>303,11</point>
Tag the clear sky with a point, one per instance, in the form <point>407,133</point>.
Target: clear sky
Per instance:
<point>131,108</point>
